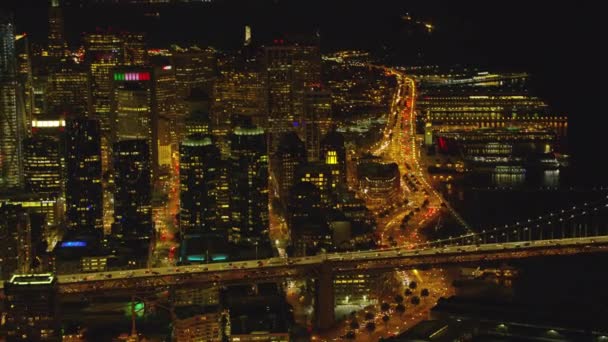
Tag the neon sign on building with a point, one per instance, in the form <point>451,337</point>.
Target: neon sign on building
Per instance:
<point>131,76</point>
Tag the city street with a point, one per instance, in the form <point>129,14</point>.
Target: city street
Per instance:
<point>399,144</point>
<point>164,217</point>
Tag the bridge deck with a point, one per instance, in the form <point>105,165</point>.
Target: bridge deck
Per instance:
<point>284,268</point>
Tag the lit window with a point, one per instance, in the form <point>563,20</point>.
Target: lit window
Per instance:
<point>332,158</point>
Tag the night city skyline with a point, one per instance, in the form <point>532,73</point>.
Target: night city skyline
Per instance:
<point>273,170</point>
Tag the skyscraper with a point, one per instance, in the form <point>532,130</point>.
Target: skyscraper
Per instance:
<point>316,120</point>
<point>68,91</point>
<point>12,122</point>
<point>333,154</point>
<point>238,91</point>
<point>280,92</point>
<point>133,109</point>
<point>170,118</point>
<point>249,184</point>
<point>15,240</point>
<point>25,75</point>
<point>43,165</point>
<point>32,308</point>
<point>305,219</point>
<point>318,174</point>
<point>104,51</point>
<point>56,38</point>
<point>199,173</point>
<point>197,123</point>
<point>291,153</point>
<point>141,97</point>
<point>194,68</point>
<point>133,194</point>
<point>83,187</point>
<point>289,68</point>
<point>135,48</point>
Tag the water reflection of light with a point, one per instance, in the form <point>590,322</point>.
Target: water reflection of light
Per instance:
<point>508,179</point>
<point>551,178</point>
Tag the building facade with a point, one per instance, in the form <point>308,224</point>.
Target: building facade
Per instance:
<point>83,187</point>
<point>249,184</point>
<point>12,121</point>
<point>133,188</point>
<point>32,304</point>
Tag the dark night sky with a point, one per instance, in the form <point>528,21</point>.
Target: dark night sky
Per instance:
<point>560,43</point>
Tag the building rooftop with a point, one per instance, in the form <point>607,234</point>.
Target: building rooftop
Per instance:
<point>194,141</point>
<point>377,170</point>
<point>32,279</point>
<point>240,130</point>
<point>187,311</point>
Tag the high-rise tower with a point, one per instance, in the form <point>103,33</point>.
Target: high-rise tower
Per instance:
<point>43,165</point>
<point>32,308</point>
<point>316,119</point>
<point>12,122</point>
<point>290,67</point>
<point>83,188</point>
<point>249,184</point>
<point>56,39</point>
<point>290,155</point>
<point>133,194</point>
<point>199,176</point>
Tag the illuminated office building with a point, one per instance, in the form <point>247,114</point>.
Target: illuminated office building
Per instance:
<point>195,112</point>
<point>316,120</point>
<point>43,165</point>
<point>307,225</point>
<point>306,65</point>
<point>132,103</point>
<point>238,91</point>
<point>280,92</point>
<point>46,204</point>
<point>223,193</point>
<point>56,38</point>
<point>171,120</point>
<point>291,153</point>
<point>199,323</point>
<point>142,99</point>
<point>357,289</point>
<point>68,90</point>
<point>135,52</point>
<point>25,75</point>
<point>333,154</point>
<point>194,68</point>
<point>379,182</point>
<point>39,83</point>
<point>15,240</point>
<point>319,174</point>
<point>133,188</point>
<point>104,51</point>
<point>197,123</point>
<point>12,122</point>
<point>195,71</point>
<point>289,68</point>
<point>83,186</point>
<point>49,125</point>
<point>32,308</point>
<point>199,175</point>
<point>249,184</point>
